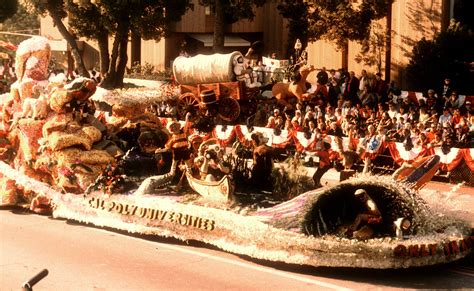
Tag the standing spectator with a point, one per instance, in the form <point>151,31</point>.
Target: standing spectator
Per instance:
<point>380,88</point>
<point>322,77</point>
<point>351,89</point>
<point>446,89</point>
<point>334,90</point>
<point>298,117</point>
<point>433,101</point>
<point>324,163</point>
<point>364,88</point>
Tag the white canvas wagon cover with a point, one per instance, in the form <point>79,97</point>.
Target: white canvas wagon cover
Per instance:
<point>205,69</point>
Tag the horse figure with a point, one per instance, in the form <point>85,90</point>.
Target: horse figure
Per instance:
<point>286,93</point>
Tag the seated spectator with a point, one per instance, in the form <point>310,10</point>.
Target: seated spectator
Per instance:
<point>386,122</point>
<point>298,116</point>
<point>454,101</point>
<point>424,116</point>
<point>421,140</point>
<point>275,121</point>
<point>462,136</point>
<point>312,127</point>
<point>413,114</point>
<point>335,129</point>
<point>467,107</point>
<point>380,110</point>
<point>456,117</point>
<point>392,110</point>
<point>402,113</point>
<point>437,140</point>
<point>445,118</point>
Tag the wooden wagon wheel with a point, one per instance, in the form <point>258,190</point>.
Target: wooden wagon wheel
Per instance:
<point>229,109</point>
<point>187,102</point>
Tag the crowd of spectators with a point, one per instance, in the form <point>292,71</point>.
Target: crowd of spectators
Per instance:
<point>343,104</point>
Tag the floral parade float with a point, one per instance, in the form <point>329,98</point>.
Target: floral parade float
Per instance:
<point>58,158</point>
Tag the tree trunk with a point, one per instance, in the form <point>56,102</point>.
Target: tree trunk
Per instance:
<point>136,49</point>
<point>72,43</point>
<point>109,80</point>
<point>345,55</point>
<point>219,25</point>
<point>388,44</point>
<point>118,60</point>
<point>122,62</point>
<point>103,41</point>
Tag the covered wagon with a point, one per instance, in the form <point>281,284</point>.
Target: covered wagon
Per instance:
<point>221,73</point>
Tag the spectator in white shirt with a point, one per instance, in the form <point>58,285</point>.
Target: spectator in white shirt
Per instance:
<point>445,118</point>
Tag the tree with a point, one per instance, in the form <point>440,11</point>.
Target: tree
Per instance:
<point>298,14</point>
<point>56,10</point>
<point>228,12</point>
<point>448,55</point>
<point>86,21</point>
<point>22,22</point>
<point>372,50</point>
<point>463,12</point>
<point>341,21</point>
<point>7,9</point>
<point>119,18</point>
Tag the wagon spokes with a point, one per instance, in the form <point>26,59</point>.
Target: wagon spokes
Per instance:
<point>229,109</point>
<point>187,102</point>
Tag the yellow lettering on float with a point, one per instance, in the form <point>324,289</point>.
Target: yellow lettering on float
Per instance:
<point>152,213</point>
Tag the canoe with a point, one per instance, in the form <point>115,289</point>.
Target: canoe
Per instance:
<point>220,190</point>
<point>424,172</point>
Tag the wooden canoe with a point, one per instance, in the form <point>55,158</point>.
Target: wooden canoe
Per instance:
<point>220,190</point>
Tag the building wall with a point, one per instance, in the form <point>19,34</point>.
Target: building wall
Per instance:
<point>200,20</point>
<point>153,52</point>
<point>275,30</point>
<point>411,21</point>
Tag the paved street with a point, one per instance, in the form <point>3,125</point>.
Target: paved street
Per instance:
<point>80,257</point>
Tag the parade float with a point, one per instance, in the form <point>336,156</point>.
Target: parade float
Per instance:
<point>57,158</point>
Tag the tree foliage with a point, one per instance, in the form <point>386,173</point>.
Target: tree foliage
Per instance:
<point>463,12</point>
<point>448,55</point>
<point>234,10</point>
<point>22,22</point>
<point>337,21</point>
<point>227,12</point>
<point>98,19</point>
<point>56,10</point>
<point>298,15</point>
<point>7,9</point>
<point>372,49</point>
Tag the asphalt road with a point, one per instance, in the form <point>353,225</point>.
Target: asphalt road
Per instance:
<point>81,257</point>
